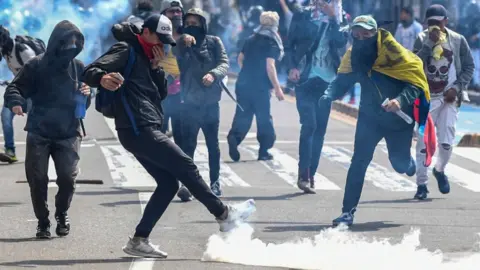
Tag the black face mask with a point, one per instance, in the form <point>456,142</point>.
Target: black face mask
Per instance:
<point>66,54</point>
<point>364,54</point>
<point>197,32</point>
<point>177,22</point>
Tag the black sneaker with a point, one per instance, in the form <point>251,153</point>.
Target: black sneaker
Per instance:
<point>442,180</point>
<point>422,192</point>
<point>43,230</point>
<point>215,187</point>
<point>233,149</point>
<point>63,225</point>
<point>264,155</point>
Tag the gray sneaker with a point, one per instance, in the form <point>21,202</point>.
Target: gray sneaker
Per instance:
<point>237,214</point>
<point>141,247</point>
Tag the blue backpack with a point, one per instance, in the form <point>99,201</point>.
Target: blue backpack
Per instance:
<point>105,99</point>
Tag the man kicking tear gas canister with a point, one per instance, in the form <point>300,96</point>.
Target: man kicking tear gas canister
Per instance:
<point>384,69</point>
<point>137,96</point>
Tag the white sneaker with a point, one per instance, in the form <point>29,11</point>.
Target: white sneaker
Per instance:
<point>141,247</point>
<point>237,214</point>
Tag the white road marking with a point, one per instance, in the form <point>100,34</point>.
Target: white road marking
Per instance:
<point>227,176</point>
<point>456,174</point>
<point>125,170</point>
<point>143,263</point>
<point>286,168</point>
<point>377,175</point>
<point>471,153</point>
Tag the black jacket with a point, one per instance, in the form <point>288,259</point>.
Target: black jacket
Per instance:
<point>300,44</point>
<point>51,88</point>
<point>197,61</point>
<point>144,90</point>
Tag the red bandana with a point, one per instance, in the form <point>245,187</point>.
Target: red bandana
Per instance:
<point>147,47</point>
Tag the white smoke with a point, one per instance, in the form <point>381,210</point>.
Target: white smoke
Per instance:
<point>332,249</point>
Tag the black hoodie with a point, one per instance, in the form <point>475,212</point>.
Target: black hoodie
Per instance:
<point>50,84</point>
<point>144,90</point>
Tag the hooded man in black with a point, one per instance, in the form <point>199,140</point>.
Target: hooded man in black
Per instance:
<point>144,91</point>
<point>52,82</point>
<point>203,64</point>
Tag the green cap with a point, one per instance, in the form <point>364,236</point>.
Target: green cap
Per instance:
<point>366,22</point>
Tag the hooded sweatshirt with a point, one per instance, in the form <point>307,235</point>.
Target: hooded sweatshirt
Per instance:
<point>207,56</point>
<point>144,89</point>
<point>51,81</point>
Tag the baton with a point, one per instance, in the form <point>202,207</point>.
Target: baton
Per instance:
<point>83,128</point>
<point>224,87</point>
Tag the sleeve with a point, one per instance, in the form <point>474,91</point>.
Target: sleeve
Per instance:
<point>180,50</point>
<point>290,45</point>
<point>340,85</point>
<point>408,95</point>
<point>22,86</point>
<point>468,66</point>
<point>220,71</point>
<point>114,60</point>
<point>423,47</point>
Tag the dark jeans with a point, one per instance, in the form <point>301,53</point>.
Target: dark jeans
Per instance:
<point>314,121</point>
<point>206,118</point>
<point>255,102</point>
<point>367,135</point>
<point>65,155</point>
<point>166,162</point>
<point>172,110</point>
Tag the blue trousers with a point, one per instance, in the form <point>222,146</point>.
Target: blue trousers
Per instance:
<point>367,135</point>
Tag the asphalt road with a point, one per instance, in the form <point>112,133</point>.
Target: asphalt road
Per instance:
<point>104,215</point>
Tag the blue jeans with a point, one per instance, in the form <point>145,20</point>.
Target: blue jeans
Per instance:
<point>314,120</point>
<point>7,126</point>
<point>367,135</point>
<point>254,103</point>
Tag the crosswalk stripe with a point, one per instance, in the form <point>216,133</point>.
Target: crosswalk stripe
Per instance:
<point>468,152</point>
<point>227,176</point>
<point>286,168</point>
<point>125,170</point>
<point>377,175</point>
<point>456,174</point>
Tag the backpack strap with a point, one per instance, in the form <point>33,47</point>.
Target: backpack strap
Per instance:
<point>126,75</point>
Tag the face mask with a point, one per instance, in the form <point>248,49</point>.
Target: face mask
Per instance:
<point>197,32</point>
<point>177,22</point>
<point>364,54</point>
<point>66,54</point>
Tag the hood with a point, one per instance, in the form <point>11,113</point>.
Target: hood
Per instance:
<point>166,4</point>
<point>197,12</point>
<point>125,32</point>
<point>62,31</point>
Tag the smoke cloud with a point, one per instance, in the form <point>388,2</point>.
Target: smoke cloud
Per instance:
<point>331,249</point>
<point>37,18</point>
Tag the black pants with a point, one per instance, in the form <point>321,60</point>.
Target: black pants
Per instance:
<point>166,163</point>
<point>172,111</point>
<point>206,118</point>
<point>65,155</point>
<point>254,103</point>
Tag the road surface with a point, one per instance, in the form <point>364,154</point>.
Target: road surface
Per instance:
<point>104,215</point>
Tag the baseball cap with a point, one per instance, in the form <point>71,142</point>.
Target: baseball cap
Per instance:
<point>162,26</point>
<point>436,13</point>
<point>366,22</point>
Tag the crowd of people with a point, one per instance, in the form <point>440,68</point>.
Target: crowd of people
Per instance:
<point>166,66</point>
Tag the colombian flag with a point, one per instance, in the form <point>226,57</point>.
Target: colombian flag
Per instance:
<point>397,62</point>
